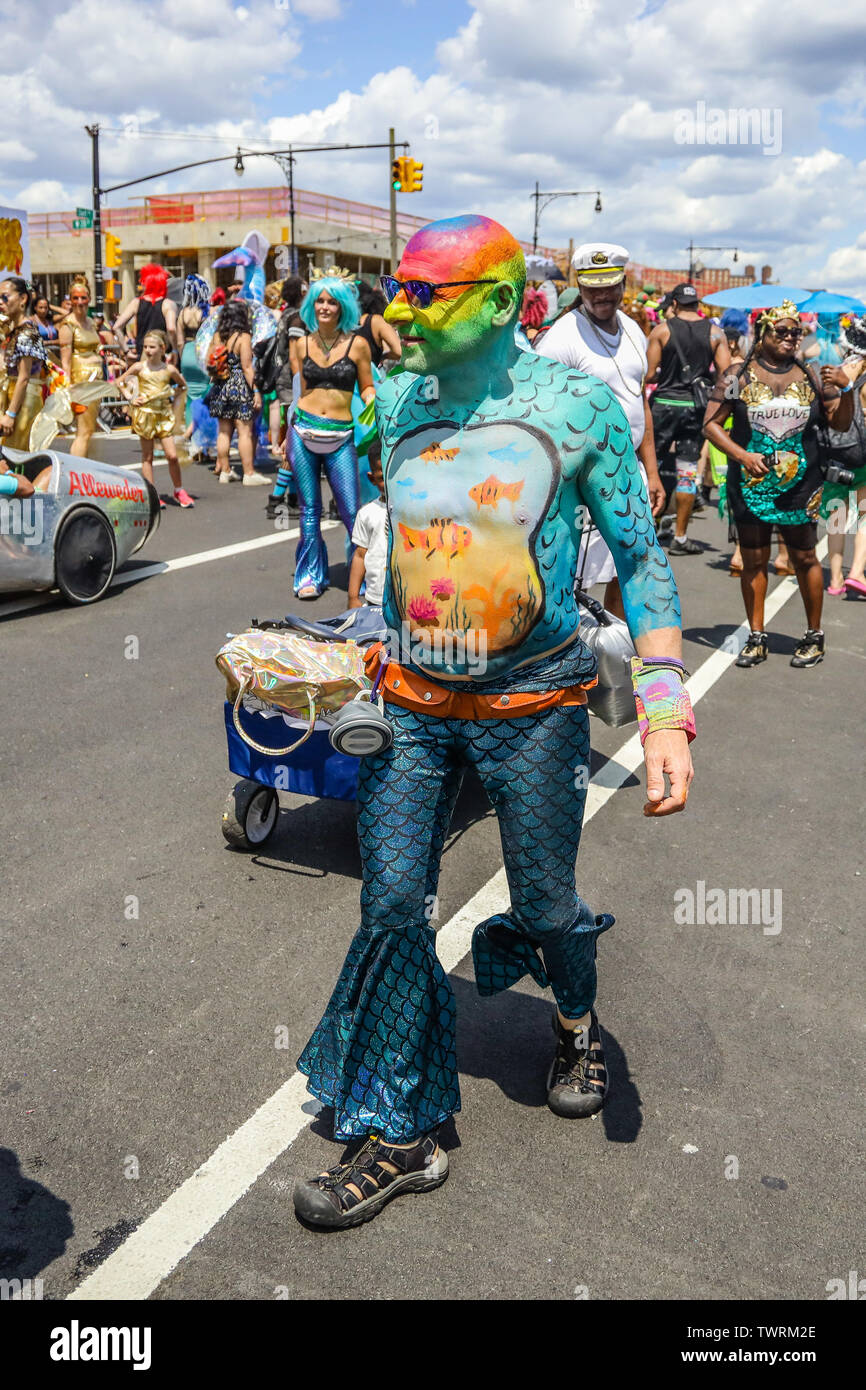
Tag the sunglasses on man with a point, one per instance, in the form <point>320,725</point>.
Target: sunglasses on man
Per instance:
<point>794,333</point>
<point>421,293</point>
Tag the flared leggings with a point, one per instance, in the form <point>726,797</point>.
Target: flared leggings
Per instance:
<point>341,469</point>
<point>384,1052</point>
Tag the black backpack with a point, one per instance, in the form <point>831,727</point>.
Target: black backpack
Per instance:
<point>267,364</point>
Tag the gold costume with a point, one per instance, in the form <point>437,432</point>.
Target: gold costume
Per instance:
<point>15,348</point>
<point>154,419</point>
<point>86,364</point>
<point>27,410</point>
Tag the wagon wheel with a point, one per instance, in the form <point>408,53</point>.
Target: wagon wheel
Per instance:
<point>250,815</point>
<point>85,556</point>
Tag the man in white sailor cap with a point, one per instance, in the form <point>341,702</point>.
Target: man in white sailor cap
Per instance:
<point>598,338</point>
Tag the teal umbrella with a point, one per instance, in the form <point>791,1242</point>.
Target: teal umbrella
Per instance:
<point>756,296</point>
<point>825,302</point>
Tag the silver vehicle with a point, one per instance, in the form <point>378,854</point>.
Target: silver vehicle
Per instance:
<point>84,519</point>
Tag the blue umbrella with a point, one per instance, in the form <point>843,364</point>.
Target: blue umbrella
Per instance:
<point>825,302</point>
<point>756,296</point>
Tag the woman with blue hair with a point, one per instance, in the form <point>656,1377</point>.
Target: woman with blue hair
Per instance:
<point>201,428</point>
<point>331,358</point>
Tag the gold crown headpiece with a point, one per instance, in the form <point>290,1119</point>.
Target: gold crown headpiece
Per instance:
<point>786,310</point>
<point>333,272</point>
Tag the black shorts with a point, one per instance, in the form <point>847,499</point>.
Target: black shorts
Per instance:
<point>678,427</point>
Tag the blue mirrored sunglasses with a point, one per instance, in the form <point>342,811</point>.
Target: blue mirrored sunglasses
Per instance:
<point>421,293</point>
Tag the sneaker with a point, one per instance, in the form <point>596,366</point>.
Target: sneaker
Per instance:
<point>577,1081</point>
<point>328,1201</point>
<point>256,480</point>
<point>809,650</point>
<point>754,651</point>
<point>182,497</point>
<point>161,505</point>
<point>229,475</point>
<point>684,547</point>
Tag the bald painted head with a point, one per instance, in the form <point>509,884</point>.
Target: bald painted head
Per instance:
<point>462,319</point>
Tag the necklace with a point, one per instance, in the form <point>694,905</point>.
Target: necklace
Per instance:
<point>327,350</point>
<point>623,332</point>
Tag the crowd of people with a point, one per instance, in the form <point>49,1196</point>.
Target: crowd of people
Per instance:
<point>754,405</point>
<point>745,404</point>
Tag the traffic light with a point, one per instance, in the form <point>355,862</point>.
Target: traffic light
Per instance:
<point>111,291</point>
<point>112,251</point>
<point>413,176</point>
<point>397,174</point>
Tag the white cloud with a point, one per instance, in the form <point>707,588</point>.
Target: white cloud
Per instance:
<point>44,195</point>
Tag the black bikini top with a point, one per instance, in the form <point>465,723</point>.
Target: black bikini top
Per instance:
<point>337,376</point>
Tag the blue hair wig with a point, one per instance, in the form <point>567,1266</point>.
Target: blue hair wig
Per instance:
<point>736,320</point>
<point>343,292</point>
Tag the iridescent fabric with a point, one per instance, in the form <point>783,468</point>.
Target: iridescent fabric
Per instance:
<point>384,1053</point>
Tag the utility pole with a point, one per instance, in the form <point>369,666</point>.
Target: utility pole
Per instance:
<point>393,203</point>
<point>98,284</point>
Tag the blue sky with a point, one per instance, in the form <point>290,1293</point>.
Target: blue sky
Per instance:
<point>373,36</point>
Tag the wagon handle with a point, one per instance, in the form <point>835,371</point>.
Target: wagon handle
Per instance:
<point>260,747</point>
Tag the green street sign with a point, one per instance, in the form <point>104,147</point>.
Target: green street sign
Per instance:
<point>83,212</point>
<point>82,223</point>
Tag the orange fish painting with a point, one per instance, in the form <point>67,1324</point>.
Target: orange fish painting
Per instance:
<point>492,491</point>
<point>443,535</point>
<point>434,453</point>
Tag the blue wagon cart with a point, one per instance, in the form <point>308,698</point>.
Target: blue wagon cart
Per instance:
<point>314,768</point>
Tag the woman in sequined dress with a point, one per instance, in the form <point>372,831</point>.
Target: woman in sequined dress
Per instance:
<point>774,478</point>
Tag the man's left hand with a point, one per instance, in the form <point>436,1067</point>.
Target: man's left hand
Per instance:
<point>666,752</point>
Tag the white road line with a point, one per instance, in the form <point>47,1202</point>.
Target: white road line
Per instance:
<point>182,562</point>
<point>149,1255</point>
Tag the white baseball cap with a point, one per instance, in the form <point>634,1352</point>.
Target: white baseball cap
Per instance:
<point>600,263</point>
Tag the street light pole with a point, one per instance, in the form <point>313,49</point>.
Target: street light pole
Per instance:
<point>693,249</point>
<point>543,199</point>
<point>98,283</point>
<point>287,164</point>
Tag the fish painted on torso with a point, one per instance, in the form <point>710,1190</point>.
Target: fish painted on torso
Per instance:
<point>443,535</point>
<point>492,491</point>
<point>434,453</point>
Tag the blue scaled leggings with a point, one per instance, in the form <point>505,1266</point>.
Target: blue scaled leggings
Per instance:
<point>341,469</point>
<point>384,1054</point>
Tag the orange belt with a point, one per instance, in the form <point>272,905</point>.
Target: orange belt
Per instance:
<point>401,686</point>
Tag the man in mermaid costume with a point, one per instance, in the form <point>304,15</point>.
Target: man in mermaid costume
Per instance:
<point>490,454</point>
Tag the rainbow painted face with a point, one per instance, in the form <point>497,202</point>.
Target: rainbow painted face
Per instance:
<point>456,325</point>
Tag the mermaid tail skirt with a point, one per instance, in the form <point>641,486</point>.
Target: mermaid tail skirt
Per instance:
<point>384,1053</point>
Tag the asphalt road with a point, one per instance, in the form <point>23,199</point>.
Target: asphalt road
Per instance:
<point>727,1163</point>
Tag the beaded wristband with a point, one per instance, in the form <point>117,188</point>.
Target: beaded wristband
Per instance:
<point>661,699</point>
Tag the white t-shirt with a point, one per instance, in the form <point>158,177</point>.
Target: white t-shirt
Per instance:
<point>371,532</point>
<point>577,342</point>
